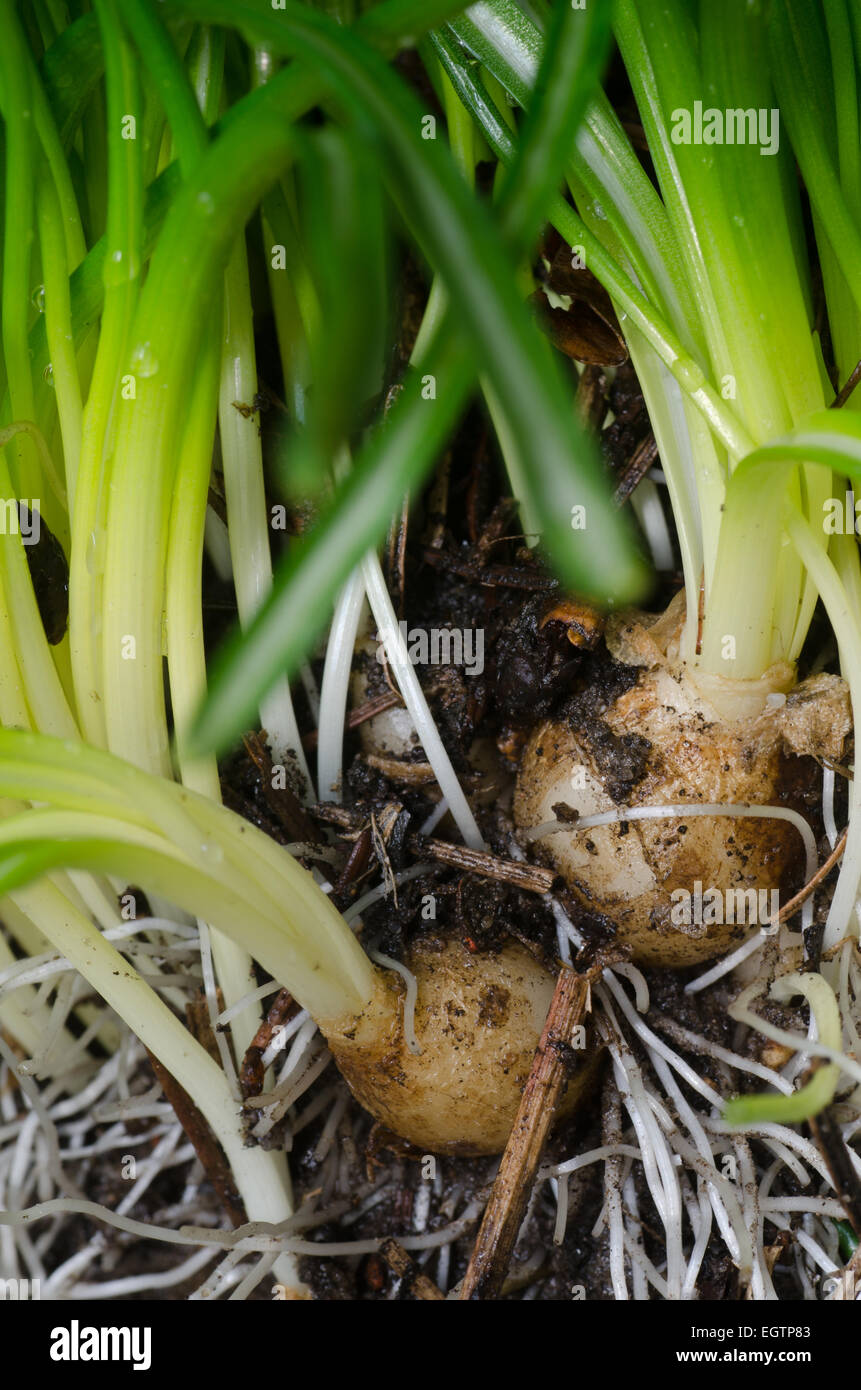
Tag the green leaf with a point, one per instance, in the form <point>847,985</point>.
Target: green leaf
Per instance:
<point>163,62</point>
<point>848,1240</point>
<point>396,458</point>
<point>344,235</point>
<point>819,1092</point>
<point>71,69</point>
<point>574,54</point>
<point>804,82</point>
<point>785,1110</point>
<point>462,244</point>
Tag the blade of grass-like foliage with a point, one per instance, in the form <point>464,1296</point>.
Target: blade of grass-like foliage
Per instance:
<point>462,243</point>
<point>607,265</point>
<point>604,164</point>
<point>199,235</point>
<point>513,54</point>
<point>27,853</point>
<point>344,234</point>
<point>87,284</point>
<point>393,461</point>
<point>465,77</point>
<point>574,53</point>
<point>154,44</point>
<point>830,438</point>
<point>71,68</point>
<point>843,25</point>
<point>802,75</point>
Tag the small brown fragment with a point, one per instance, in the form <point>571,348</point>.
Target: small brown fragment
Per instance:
<point>372,1273</point>
<point>590,400</point>
<point>584,625</point>
<point>357,862</point>
<point>281,1011</point>
<point>399,770</point>
<point>587,330</point>
<point>772,1254</point>
<point>397,557</point>
<point>281,800</point>
<point>401,1264</point>
<point>643,458</point>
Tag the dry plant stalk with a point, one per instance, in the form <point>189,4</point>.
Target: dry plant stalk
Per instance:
<point>504,1213</point>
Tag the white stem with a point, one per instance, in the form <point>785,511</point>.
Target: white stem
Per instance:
<point>248,522</point>
<point>838,607</point>
<point>262,1189</point>
<point>414,699</point>
<point>335,687</point>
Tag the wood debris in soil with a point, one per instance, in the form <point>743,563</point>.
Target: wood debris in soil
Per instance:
<point>504,1213</point>
<point>251,1073</point>
<point>203,1141</point>
<point>402,1264</point>
<point>532,878</point>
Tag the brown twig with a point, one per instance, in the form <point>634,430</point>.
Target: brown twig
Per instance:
<point>530,877</point>
<point>636,469</point>
<point>330,813</point>
<point>401,1264</point>
<point>401,771</point>
<point>251,1071</point>
<point>203,1141</point>
<point>504,1213</point>
<point>832,1146</point>
<point>804,893</point>
<point>527,876</point>
<point>847,388</point>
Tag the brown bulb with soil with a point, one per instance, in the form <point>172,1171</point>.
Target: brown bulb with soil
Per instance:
<point>478,1020</point>
<point>673,736</point>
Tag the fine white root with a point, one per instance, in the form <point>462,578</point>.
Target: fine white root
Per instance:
<point>414,699</point>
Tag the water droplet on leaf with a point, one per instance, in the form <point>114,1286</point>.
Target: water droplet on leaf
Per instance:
<point>144,360</point>
<point>689,376</point>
